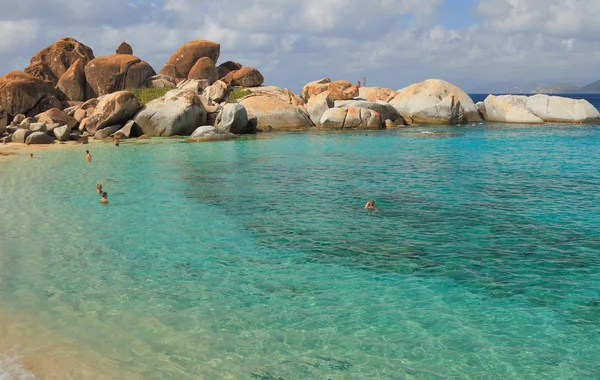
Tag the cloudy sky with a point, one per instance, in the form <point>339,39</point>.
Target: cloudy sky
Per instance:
<point>391,42</point>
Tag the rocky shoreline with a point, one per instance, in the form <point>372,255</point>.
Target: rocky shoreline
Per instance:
<point>68,94</point>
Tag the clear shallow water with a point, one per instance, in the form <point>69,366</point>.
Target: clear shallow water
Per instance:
<point>255,259</point>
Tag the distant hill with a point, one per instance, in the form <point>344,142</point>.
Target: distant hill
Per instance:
<point>561,88</point>
<point>592,88</point>
<point>542,86</point>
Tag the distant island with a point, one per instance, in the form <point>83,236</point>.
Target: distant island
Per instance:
<point>545,86</point>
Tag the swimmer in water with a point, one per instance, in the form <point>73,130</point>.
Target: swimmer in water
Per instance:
<point>104,198</point>
<point>116,141</point>
<point>88,156</point>
<point>370,205</point>
<point>99,188</point>
<point>31,155</point>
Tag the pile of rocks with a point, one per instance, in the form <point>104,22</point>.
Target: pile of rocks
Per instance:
<point>68,94</point>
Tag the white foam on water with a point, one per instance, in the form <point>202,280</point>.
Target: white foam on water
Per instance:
<point>11,369</point>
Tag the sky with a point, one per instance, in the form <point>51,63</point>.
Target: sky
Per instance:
<point>471,43</point>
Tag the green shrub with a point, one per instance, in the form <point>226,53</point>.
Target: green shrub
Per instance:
<point>236,94</point>
<point>146,95</point>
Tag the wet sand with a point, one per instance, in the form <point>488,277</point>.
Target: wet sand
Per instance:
<point>28,350</point>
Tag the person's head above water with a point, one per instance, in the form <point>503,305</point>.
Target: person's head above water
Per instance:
<point>104,194</point>
<point>370,204</point>
<point>31,155</point>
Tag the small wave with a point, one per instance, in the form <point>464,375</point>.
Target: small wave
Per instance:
<point>11,369</point>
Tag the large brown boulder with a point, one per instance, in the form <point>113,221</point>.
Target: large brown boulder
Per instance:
<point>125,48</point>
<point>227,67</point>
<point>161,81</point>
<point>56,116</point>
<point>105,75</point>
<point>182,61</point>
<point>53,61</point>
<point>276,109</point>
<point>47,102</point>
<point>204,69</point>
<point>3,121</point>
<point>113,109</point>
<point>21,92</point>
<point>339,89</point>
<point>373,94</point>
<point>244,77</point>
<point>71,85</point>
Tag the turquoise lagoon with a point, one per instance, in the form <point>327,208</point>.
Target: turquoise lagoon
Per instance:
<point>255,259</point>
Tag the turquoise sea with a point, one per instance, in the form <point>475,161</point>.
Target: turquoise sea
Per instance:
<point>255,259</point>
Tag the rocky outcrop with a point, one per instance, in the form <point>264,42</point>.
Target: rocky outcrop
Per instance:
<point>112,109</point>
<point>20,135</point>
<point>21,92</point>
<point>210,133</point>
<point>350,118</point>
<point>215,92</point>
<point>538,109</point>
<point>244,77</point>
<point>227,67</point>
<point>53,61</point>
<point>340,89</point>
<point>3,121</point>
<point>71,85</point>
<point>62,133</point>
<point>130,129</point>
<point>385,110</point>
<point>204,69</point>
<point>317,105</point>
<point>179,112</point>
<point>39,138</point>
<point>56,116</point>
<point>47,102</point>
<point>276,109</point>
<point>182,61</point>
<point>196,85</point>
<point>373,94</point>
<point>103,133</point>
<point>161,81</point>
<point>124,48</point>
<point>233,118</point>
<point>38,127</point>
<point>435,101</point>
<point>105,75</point>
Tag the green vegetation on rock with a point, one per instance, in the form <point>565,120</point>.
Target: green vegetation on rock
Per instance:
<point>146,95</point>
<point>236,94</point>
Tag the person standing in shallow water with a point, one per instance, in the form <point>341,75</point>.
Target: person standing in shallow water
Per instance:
<point>88,156</point>
<point>116,141</point>
<point>99,188</point>
<point>370,205</point>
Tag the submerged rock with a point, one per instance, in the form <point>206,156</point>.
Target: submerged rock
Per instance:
<point>210,133</point>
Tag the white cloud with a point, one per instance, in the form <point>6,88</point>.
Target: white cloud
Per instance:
<point>392,42</point>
